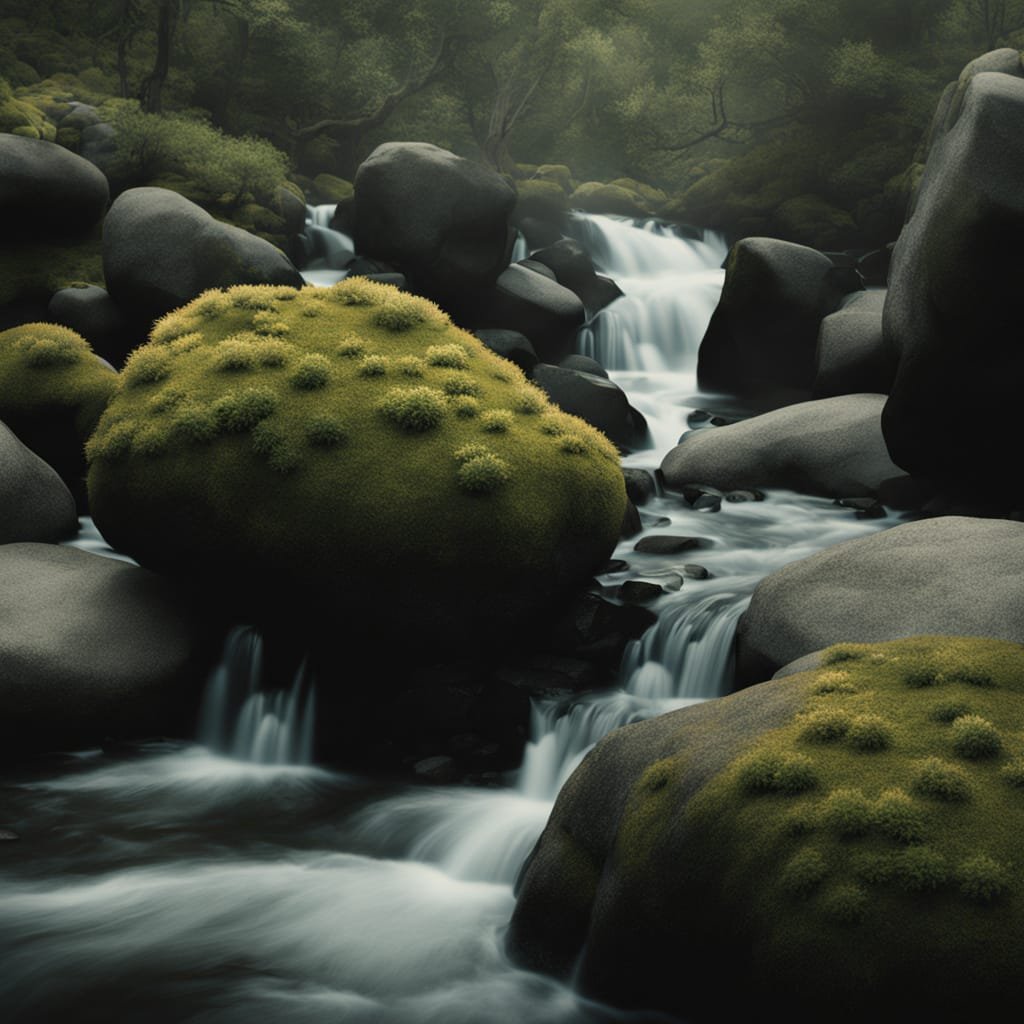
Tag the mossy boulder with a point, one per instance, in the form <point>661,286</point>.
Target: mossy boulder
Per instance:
<point>36,270</point>
<point>53,389</point>
<point>348,448</point>
<point>841,842</point>
<point>598,197</point>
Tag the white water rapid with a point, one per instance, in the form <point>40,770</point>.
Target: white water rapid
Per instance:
<point>233,881</point>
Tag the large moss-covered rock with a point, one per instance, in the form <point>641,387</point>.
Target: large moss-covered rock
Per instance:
<point>951,316</point>
<point>53,390</point>
<point>842,843</point>
<point>349,448</point>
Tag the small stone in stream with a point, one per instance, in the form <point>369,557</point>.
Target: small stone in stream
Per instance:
<point>856,502</point>
<point>8,835</point>
<point>751,494</point>
<point>615,565</point>
<point>638,592</point>
<point>872,512</point>
<point>640,485</point>
<point>667,544</point>
<point>668,579</point>
<point>696,572</point>
<point>654,522</point>
<point>693,492</point>
<point>436,769</point>
<point>722,421</point>
<point>708,503</point>
<point>698,416</point>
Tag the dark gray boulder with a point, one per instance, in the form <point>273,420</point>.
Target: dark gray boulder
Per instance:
<point>597,400</point>
<point>521,300</point>
<point>851,356</point>
<point>951,574</point>
<point>89,310</point>
<point>46,189</point>
<point>574,269</point>
<point>510,345</point>
<point>91,648</point>
<point>35,504</point>
<point>584,364</point>
<point>763,335</point>
<point>831,447</point>
<point>951,317</point>
<point>442,219</point>
<point>160,251</point>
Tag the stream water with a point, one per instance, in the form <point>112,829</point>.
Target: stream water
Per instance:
<point>231,880</point>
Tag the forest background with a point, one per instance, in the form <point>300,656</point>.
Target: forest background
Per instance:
<point>802,119</point>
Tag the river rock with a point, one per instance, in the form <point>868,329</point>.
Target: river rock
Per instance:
<point>584,364</point>
<point>851,356</point>
<point>91,312</point>
<point>46,189</point>
<point>160,250</point>
<point>599,401</point>
<point>763,335</point>
<point>831,447</point>
<point>574,269</point>
<point>796,845</point>
<point>951,317</point>
<point>524,301</point>
<point>91,648</point>
<point>35,505</point>
<point>952,574</point>
<point>439,217</point>
<point>510,345</point>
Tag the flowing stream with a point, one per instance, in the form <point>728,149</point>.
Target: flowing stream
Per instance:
<point>232,880</point>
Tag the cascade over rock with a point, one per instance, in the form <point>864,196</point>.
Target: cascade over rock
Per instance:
<point>951,316</point>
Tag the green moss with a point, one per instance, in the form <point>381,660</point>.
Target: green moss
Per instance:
<point>804,872</point>
<point>302,450</point>
<point>896,816</point>
<point>982,879</point>
<point>869,732</point>
<point>826,725</point>
<point>847,812</point>
<point>974,737</point>
<point>39,269</point>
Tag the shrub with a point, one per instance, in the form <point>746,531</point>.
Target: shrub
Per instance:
<point>496,421</point>
<point>981,879</point>
<point>238,411</point>
<point>768,772</point>
<point>825,726</point>
<point>530,400</point>
<point>975,737</point>
<point>465,406</point>
<point>415,410</point>
<point>453,357</point>
<point>940,780</point>
<point>920,869</point>
<point>410,366</point>
<point>847,812</point>
<point>235,355</point>
<point>311,373</point>
<point>351,348</point>
<point>325,432</point>
<point>373,366</point>
<point>869,733</point>
<point>483,474</point>
<point>896,817</point>
<point>950,710</point>
<point>846,904</point>
<point>400,315</point>
<point>460,384</point>
<point>804,872</point>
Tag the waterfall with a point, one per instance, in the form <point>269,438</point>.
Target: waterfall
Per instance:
<point>328,251</point>
<point>243,718</point>
<point>671,286</point>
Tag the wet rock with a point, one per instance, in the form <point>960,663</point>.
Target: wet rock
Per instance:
<point>696,572</point>
<point>639,592</point>
<point>438,770</point>
<point>616,565</point>
<point>640,486</point>
<point>708,503</point>
<point>91,312</point>
<point>510,345</point>
<point>631,522</point>
<point>584,364</point>
<point>35,504</point>
<point>668,544</point>
<point>751,494</point>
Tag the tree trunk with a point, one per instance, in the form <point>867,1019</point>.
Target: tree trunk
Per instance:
<point>151,90</point>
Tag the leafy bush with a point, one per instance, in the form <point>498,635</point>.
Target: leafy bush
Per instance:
<point>941,780</point>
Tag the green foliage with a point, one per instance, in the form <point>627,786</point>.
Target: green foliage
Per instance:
<point>496,421</point>
<point>825,725</point>
<point>982,879</point>
<point>414,409</point>
<point>975,737</point>
<point>942,781</point>
<point>772,773</point>
<point>897,817</point>
<point>483,474</point>
<point>869,733</point>
<point>806,870</point>
<point>313,372</point>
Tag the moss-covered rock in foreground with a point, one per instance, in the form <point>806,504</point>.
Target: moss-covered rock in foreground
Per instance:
<point>53,389</point>
<point>842,844</point>
<point>348,447</point>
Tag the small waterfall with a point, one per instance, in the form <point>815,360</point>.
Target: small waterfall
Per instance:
<point>329,252</point>
<point>671,286</point>
<point>242,718</point>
